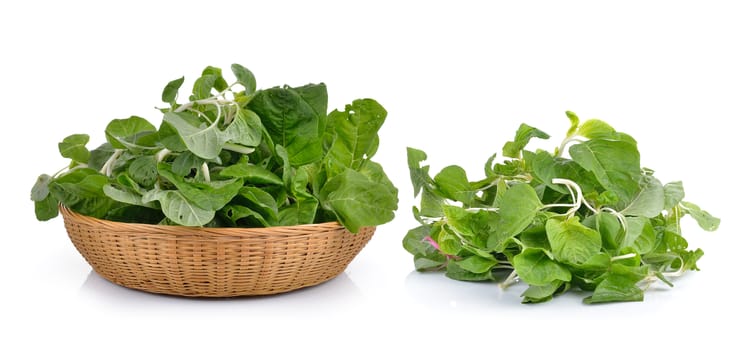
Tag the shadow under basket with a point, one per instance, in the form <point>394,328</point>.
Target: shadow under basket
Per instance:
<point>214,262</point>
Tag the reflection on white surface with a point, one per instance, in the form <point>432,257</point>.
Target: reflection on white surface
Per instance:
<point>336,293</point>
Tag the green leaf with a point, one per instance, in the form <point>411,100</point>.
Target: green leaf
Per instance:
<point>205,141</point>
<point>202,87</point>
<point>452,182</point>
<point>594,128</point>
<point>170,92</point>
<point>616,165</point>
<point>245,77</point>
<point>572,242</point>
<point>291,121</point>
<point>219,83</point>
<point>418,175</point>
<point>41,188</point>
<point>574,123</point>
<point>73,147</point>
<point>434,261</point>
<point>519,206</point>
<point>640,235</point>
<point>476,264</point>
<point>143,170</point>
<point>127,197</point>
<point>673,193</point>
<point>525,133</point>
<point>180,210</point>
<point>545,167</point>
<point>246,129</point>
<point>235,213</point>
<point>356,131</point>
<point>415,241</point>
<point>124,133</point>
<point>302,211</point>
<point>260,201</point>
<point>82,191</point>
<point>185,163</point>
<point>538,294</point>
<point>535,268</point>
<point>476,226</point>
<point>455,272</point>
<point>46,208</point>
<point>612,233</point>
<point>252,174</point>
<point>649,201</point>
<point>210,196</point>
<point>705,220</point>
<point>616,288</point>
<point>357,201</point>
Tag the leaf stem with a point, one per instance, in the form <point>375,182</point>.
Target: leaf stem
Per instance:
<point>511,279</point>
<point>107,167</point>
<point>625,256</point>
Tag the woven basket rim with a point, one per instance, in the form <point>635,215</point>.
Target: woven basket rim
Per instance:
<point>304,229</point>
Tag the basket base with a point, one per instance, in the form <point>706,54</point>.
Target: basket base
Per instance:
<point>214,262</point>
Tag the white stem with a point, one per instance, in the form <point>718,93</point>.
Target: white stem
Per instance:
<point>625,256</point>
<point>512,278</point>
<point>622,219</point>
<point>107,167</point>
<point>162,154</point>
<point>205,172</point>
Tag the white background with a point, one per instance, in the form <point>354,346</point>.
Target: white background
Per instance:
<point>457,78</point>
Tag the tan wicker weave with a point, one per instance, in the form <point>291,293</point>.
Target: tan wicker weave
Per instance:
<point>214,262</point>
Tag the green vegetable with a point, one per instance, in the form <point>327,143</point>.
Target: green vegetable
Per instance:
<point>594,220</point>
<point>232,155</point>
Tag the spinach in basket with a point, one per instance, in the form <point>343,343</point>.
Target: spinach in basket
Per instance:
<point>230,156</point>
<point>585,215</point>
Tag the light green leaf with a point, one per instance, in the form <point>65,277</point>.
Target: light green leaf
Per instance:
<point>535,268</point>
<point>705,220</point>
<point>180,210</point>
<point>649,201</point>
<point>538,294</point>
<point>572,242</point>
<point>73,147</point>
<point>127,197</point>
<point>476,264</point>
<point>245,77</point>
<point>418,175</point>
<point>673,194</point>
<point>219,83</point>
<point>616,165</point>
<point>41,187</point>
<point>205,141</point>
<point>452,182</point>
<point>640,235</point>
<point>574,123</point>
<point>525,133</point>
<point>616,288</point>
<point>246,129</point>
<point>594,128</point>
<point>302,211</point>
<point>202,87</point>
<point>519,206</point>
<point>209,196</point>
<point>124,133</point>
<point>170,92</point>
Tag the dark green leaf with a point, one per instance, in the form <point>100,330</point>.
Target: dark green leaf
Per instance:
<point>252,174</point>
<point>219,83</point>
<point>47,208</point>
<point>144,170</point>
<point>355,131</point>
<point>202,87</point>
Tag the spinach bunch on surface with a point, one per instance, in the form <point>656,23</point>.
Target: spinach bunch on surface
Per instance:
<point>232,156</point>
<point>592,219</point>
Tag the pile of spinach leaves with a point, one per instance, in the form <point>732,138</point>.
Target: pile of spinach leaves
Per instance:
<point>232,156</point>
<point>592,218</point>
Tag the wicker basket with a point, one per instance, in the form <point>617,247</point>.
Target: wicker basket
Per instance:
<point>214,262</point>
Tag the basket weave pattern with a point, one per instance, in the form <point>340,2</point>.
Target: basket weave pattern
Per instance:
<point>214,262</point>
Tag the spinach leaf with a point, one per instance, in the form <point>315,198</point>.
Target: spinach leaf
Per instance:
<point>233,155</point>
<point>593,220</point>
